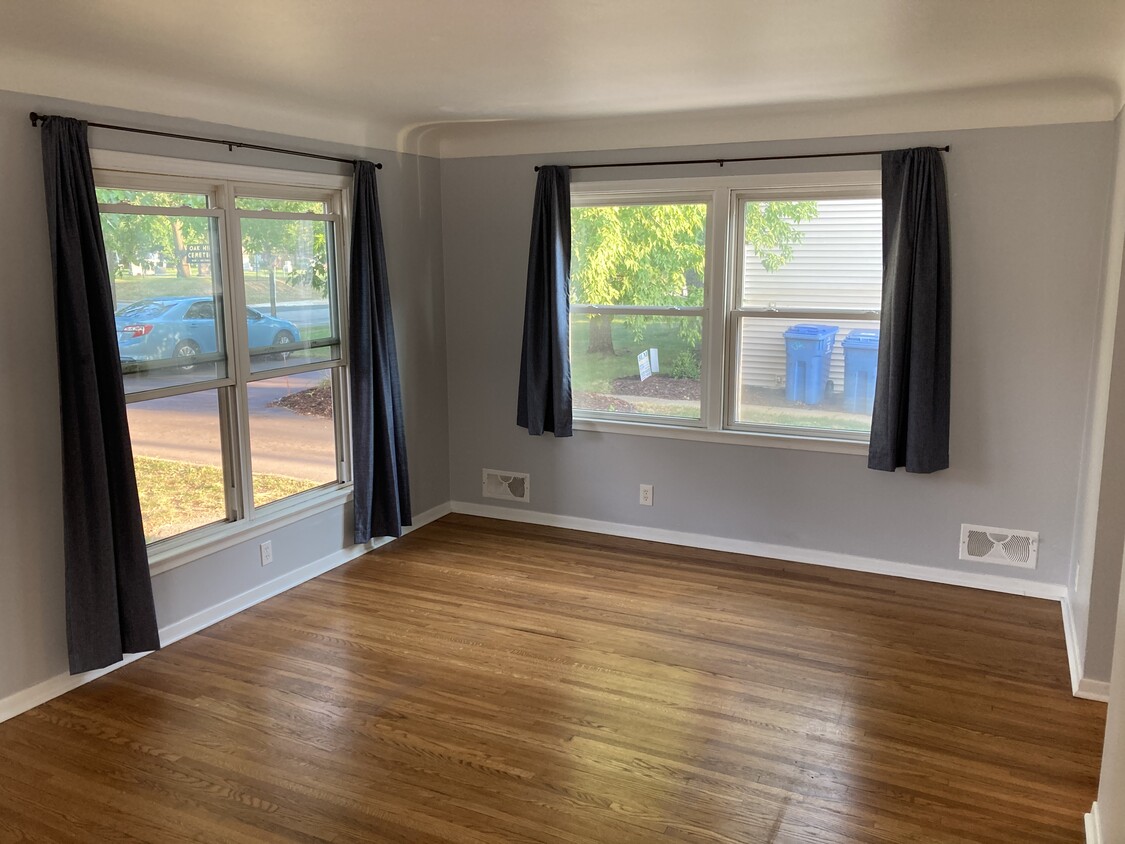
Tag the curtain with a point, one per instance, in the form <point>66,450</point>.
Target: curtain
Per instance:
<point>544,391</point>
<point>910,424</point>
<point>382,486</point>
<point>109,606</point>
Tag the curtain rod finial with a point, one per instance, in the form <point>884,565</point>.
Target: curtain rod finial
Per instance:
<point>35,118</point>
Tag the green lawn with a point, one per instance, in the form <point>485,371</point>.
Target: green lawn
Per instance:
<point>132,288</point>
<point>177,496</point>
<point>595,373</point>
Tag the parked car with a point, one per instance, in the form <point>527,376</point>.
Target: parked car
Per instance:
<point>182,329</point>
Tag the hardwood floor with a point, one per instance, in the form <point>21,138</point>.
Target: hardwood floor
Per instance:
<point>482,681</point>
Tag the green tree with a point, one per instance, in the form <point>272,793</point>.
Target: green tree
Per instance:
<point>271,243</point>
<point>131,239</point>
<point>653,255</point>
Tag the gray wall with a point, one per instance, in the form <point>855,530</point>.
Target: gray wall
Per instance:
<point>1028,214</point>
<point>32,627</point>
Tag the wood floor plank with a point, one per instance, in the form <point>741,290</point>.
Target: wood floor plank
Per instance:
<point>483,681</point>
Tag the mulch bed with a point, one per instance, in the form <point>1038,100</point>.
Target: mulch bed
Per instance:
<point>596,401</point>
<point>658,387</point>
<point>315,401</point>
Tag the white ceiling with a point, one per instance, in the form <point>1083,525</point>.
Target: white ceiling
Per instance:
<point>479,76</point>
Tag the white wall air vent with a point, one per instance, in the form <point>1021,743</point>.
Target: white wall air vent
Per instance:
<point>999,545</point>
<point>507,486</point>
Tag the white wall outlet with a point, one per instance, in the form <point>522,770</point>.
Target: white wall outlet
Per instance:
<point>646,495</point>
<point>266,548</point>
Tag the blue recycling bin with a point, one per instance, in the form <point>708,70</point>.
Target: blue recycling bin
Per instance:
<point>861,362</point>
<point>808,354</point>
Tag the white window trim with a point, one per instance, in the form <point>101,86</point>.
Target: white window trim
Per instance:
<point>167,554</point>
<point>722,193</point>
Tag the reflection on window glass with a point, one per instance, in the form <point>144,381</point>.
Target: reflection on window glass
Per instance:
<point>179,463</point>
<point>289,271</point>
<point>292,434</point>
<point>292,206</point>
<point>639,365</point>
<point>167,289</point>
<point>810,374</point>
<point>151,199</point>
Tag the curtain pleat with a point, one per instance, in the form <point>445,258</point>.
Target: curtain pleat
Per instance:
<point>382,486</point>
<point>109,604</point>
<point>910,423</point>
<point>544,389</point>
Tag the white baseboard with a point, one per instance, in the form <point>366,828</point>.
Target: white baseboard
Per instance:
<point>990,582</point>
<point>1093,826</point>
<point>29,698</point>
<point>1081,685</point>
<point>1092,690</point>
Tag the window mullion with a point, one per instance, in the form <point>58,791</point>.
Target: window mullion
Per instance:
<point>232,463</point>
<point>239,359</point>
<point>714,292</point>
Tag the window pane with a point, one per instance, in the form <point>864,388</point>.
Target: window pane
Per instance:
<point>641,255</point>
<point>292,434</point>
<point>293,206</point>
<point>822,254</point>
<point>607,376</point>
<point>179,461</point>
<point>813,374</point>
<point>167,290</point>
<point>152,199</point>
<point>290,272</point>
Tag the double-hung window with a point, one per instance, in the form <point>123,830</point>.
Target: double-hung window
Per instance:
<point>728,307</point>
<point>227,300</point>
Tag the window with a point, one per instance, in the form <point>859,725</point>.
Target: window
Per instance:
<point>231,417</point>
<point>734,306</point>
<point>637,271</point>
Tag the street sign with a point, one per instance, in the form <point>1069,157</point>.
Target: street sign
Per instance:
<point>198,253</point>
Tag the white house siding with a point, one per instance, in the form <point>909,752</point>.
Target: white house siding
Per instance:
<point>838,264</point>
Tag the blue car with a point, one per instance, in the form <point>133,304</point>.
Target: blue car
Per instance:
<point>182,330</point>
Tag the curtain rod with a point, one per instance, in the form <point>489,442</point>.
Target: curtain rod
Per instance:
<point>230,145</point>
<point>722,161</point>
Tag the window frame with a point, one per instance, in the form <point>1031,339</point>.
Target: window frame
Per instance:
<point>673,197</point>
<point>222,183</point>
<point>722,302</point>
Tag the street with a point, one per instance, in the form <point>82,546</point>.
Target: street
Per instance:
<point>186,428</point>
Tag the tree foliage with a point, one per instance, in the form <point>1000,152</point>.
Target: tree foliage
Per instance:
<point>653,255</point>
<point>152,241</point>
<point>144,240</point>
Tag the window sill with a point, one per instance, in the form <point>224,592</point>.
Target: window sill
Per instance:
<point>214,538</point>
<point>750,438</point>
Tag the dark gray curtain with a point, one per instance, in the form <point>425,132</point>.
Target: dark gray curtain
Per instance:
<point>382,487</point>
<point>109,607</point>
<point>910,424</point>
<point>544,394</point>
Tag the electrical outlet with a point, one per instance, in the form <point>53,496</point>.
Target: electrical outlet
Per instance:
<point>646,495</point>
<point>267,552</point>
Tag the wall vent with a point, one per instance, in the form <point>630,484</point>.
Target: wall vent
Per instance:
<point>999,545</point>
<point>507,486</point>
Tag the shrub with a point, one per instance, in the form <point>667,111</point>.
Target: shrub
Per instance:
<point>686,365</point>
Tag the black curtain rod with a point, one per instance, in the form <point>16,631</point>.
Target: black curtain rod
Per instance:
<point>722,161</point>
<point>36,119</point>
